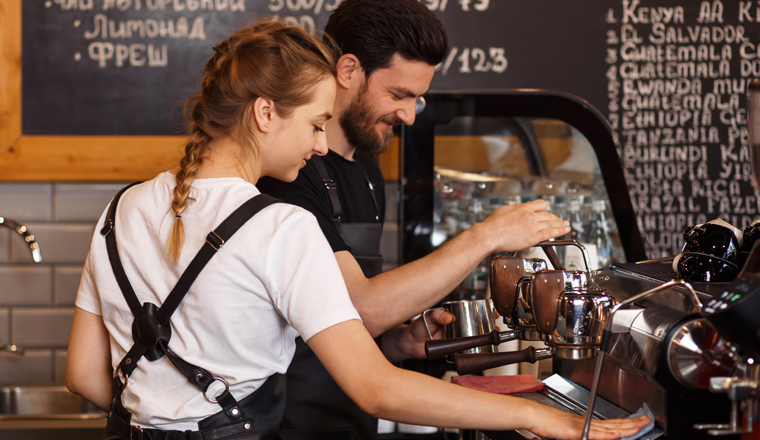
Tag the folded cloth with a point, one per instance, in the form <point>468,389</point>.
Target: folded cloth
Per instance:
<point>645,430</point>
<point>522,383</point>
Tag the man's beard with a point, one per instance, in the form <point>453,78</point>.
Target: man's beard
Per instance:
<point>359,125</point>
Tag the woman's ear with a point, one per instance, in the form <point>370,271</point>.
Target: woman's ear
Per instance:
<point>263,114</point>
<point>348,68</point>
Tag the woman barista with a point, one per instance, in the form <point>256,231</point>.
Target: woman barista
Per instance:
<point>266,95</point>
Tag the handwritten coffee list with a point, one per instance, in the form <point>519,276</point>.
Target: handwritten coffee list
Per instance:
<point>676,86</point>
<point>125,66</point>
<point>107,31</point>
<point>152,22</point>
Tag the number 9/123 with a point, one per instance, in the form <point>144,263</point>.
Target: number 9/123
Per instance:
<point>475,59</point>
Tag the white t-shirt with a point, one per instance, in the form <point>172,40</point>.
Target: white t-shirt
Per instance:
<point>274,279</point>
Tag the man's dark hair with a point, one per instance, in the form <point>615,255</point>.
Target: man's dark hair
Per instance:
<point>375,30</point>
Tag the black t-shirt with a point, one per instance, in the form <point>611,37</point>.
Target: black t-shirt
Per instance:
<point>309,192</point>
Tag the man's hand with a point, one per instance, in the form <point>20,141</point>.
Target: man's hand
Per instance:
<point>513,228</point>
<point>408,341</point>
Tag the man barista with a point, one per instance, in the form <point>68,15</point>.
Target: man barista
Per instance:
<point>390,49</point>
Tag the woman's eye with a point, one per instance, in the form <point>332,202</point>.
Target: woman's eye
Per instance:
<point>318,129</point>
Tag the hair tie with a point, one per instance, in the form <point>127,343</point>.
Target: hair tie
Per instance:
<point>178,216</point>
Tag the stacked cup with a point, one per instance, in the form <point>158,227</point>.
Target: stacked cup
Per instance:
<point>710,253</point>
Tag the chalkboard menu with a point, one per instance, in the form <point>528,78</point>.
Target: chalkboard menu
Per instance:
<point>125,67</point>
<point>670,75</point>
<point>676,95</point>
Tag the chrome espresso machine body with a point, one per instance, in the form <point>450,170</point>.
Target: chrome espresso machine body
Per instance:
<point>661,350</point>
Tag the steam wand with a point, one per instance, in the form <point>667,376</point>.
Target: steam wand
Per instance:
<point>608,332</point>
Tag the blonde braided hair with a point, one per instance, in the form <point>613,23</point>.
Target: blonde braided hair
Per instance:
<point>269,59</point>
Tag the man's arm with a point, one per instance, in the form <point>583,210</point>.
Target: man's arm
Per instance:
<point>393,297</point>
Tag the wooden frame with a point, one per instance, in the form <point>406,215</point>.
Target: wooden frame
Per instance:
<point>66,158</point>
<point>81,158</point>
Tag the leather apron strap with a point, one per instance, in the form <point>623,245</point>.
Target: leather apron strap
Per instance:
<point>362,237</point>
<point>151,329</point>
<point>265,406</point>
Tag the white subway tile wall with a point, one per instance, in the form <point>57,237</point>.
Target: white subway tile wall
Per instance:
<point>25,285</point>
<point>37,300</point>
<point>5,326</point>
<point>33,366</point>
<point>42,327</point>
<point>5,246</point>
<point>65,284</point>
<point>30,202</point>
<point>59,366</point>
<point>74,202</point>
<point>60,243</point>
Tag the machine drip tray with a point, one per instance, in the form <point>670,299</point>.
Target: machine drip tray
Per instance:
<point>567,396</point>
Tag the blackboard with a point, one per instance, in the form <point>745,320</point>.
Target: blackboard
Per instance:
<point>124,67</point>
<point>669,74</point>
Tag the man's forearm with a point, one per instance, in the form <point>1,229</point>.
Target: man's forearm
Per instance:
<point>393,297</point>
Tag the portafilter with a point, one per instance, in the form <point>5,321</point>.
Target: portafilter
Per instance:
<point>509,278</point>
<point>510,284</point>
<point>568,315</point>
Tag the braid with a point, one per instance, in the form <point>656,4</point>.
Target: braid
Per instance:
<point>272,60</point>
<point>189,166</point>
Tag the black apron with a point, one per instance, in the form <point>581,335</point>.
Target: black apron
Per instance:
<point>258,416</point>
<point>317,408</point>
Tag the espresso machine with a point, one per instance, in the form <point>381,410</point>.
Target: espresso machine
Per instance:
<point>734,313</point>
<point>554,306</point>
<point>620,336</point>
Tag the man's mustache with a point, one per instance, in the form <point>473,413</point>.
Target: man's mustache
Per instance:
<point>390,120</point>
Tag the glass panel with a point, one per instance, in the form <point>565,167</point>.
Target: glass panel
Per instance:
<point>482,163</point>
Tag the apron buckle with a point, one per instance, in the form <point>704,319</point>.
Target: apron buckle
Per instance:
<point>226,390</point>
<point>214,240</point>
<point>132,430</point>
<point>123,378</point>
<point>330,184</point>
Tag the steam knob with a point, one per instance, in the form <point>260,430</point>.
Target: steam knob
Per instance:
<point>737,388</point>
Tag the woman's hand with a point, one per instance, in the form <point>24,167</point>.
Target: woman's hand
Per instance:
<point>354,361</point>
<point>553,423</point>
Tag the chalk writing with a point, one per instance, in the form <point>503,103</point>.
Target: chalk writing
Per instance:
<point>475,59</point>
<point>464,5</point>
<point>110,29</point>
<point>148,28</point>
<point>304,5</point>
<point>676,87</point>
